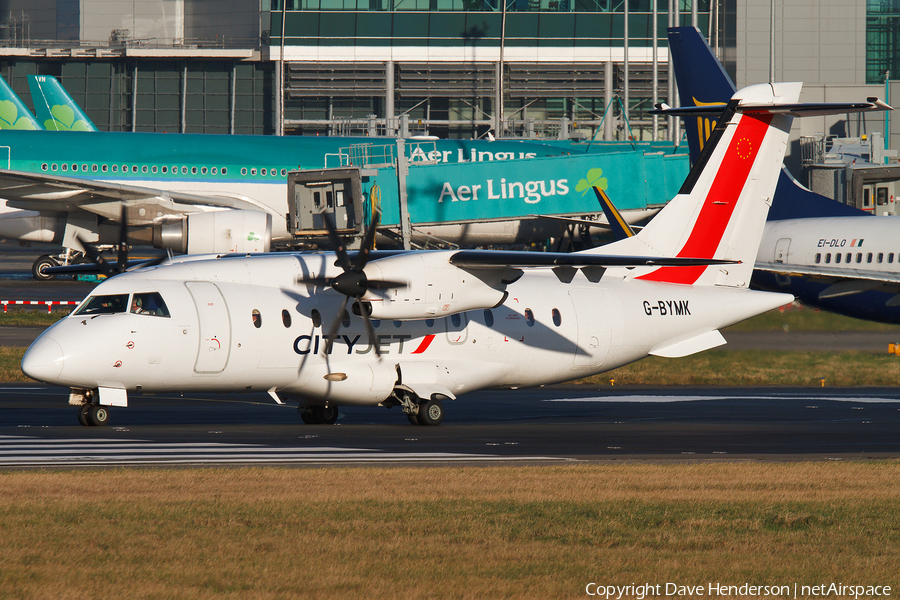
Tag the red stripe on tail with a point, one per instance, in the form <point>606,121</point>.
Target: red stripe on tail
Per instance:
<point>721,200</point>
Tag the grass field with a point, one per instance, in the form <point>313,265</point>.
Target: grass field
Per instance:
<point>502,532</point>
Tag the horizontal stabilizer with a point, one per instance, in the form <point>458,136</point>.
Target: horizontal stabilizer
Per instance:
<point>691,345</point>
<point>813,109</point>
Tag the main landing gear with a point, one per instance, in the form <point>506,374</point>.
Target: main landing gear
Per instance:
<point>318,415</point>
<point>419,411</point>
<point>40,266</point>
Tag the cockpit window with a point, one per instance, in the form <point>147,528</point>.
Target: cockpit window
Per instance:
<point>150,303</point>
<point>104,305</point>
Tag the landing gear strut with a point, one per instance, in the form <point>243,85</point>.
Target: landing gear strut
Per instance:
<point>421,412</point>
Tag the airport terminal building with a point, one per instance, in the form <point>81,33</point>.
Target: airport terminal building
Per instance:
<point>451,68</point>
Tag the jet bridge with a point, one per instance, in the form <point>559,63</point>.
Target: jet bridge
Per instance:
<point>316,195</point>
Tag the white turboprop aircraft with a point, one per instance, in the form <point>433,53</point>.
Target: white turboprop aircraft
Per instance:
<point>428,326</point>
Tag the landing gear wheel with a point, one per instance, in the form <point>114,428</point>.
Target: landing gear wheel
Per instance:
<point>83,414</point>
<point>310,417</point>
<point>320,415</point>
<point>414,419</point>
<point>98,415</point>
<point>329,414</point>
<point>431,412</point>
<point>37,269</point>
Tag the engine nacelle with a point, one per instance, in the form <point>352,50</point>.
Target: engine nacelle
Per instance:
<point>216,232</point>
<point>434,289</point>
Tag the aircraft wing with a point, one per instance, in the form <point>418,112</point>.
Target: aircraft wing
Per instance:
<point>844,281</point>
<point>828,272</point>
<point>38,191</point>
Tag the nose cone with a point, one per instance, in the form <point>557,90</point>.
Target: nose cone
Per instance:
<point>43,360</point>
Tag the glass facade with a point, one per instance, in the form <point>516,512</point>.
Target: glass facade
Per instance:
<point>882,40</point>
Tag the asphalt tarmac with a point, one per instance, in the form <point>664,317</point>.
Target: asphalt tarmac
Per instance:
<point>558,424</point>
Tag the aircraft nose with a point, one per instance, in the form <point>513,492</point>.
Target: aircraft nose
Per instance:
<point>43,360</point>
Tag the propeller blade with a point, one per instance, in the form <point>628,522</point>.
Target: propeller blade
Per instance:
<point>368,243</point>
<point>339,249</point>
<point>98,260</point>
<point>369,329</point>
<point>335,325</point>
<point>122,256</point>
<point>321,282</point>
<point>385,284</point>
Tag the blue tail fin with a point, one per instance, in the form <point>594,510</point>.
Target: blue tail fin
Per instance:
<point>620,228</point>
<point>702,81</point>
<point>54,107</point>
<point>13,112</point>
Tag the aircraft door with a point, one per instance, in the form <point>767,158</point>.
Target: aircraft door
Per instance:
<point>215,327</point>
<point>782,247</point>
<point>593,326</point>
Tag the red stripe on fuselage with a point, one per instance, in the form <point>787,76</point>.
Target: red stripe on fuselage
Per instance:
<point>424,345</point>
<point>721,200</point>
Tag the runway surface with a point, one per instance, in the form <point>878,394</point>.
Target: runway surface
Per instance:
<point>559,424</point>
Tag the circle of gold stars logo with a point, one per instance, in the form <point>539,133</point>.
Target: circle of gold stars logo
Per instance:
<point>744,148</point>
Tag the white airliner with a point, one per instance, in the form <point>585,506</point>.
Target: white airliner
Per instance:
<point>428,326</point>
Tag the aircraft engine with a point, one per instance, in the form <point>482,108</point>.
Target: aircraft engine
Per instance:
<point>216,232</point>
<point>434,288</point>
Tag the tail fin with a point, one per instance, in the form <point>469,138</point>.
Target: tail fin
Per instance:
<point>13,112</point>
<point>702,81</point>
<point>55,108</point>
<point>721,209</point>
<point>620,227</point>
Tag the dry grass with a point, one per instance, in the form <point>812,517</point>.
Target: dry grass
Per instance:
<point>760,367</point>
<point>538,532</point>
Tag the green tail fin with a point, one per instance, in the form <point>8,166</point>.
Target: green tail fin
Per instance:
<point>13,112</point>
<point>54,107</point>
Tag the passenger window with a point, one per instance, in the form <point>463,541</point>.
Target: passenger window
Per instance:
<point>881,257</point>
<point>115,168</point>
<point>257,318</point>
<point>455,320</point>
<point>316,318</point>
<point>184,170</point>
<point>429,322</point>
<point>557,317</point>
<point>858,257</point>
<point>488,318</point>
<point>345,318</point>
<point>104,305</point>
<point>890,257</point>
<point>529,317</point>
<point>154,168</point>
<point>837,257</point>
<point>203,171</point>
<point>849,257</point>
<point>264,171</point>
<point>818,257</point>
<point>286,318</point>
<point>44,167</point>
<point>224,170</point>
<point>193,170</point>
<point>104,168</point>
<point>150,303</point>
<point>869,257</point>
<point>134,168</point>
<point>165,170</point>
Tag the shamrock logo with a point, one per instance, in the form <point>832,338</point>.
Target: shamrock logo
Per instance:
<point>9,117</point>
<point>594,178</point>
<point>64,120</point>
<point>252,237</point>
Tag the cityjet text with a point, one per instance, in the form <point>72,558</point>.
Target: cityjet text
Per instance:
<point>305,344</point>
